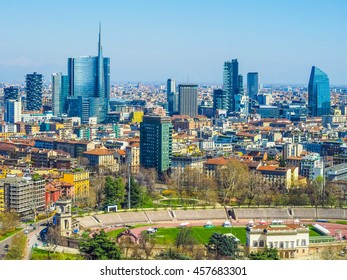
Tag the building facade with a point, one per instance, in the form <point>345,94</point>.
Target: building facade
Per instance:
<point>188,99</point>
<point>172,96</point>
<point>252,85</point>
<point>34,90</point>
<point>291,240</point>
<point>318,93</point>
<point>13,111</point>
<point>60,92</point>
<point>24,196</point>
<point>156,143</point>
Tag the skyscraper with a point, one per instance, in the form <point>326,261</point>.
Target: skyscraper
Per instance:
<point>230,81</point>
<point>220,100</point>
<point>34,89</point>
<point>156,142</point>
<point>240,99</point>
<point>188,99</point>
<point>89,78</point>
<point>252,85</point>
<point>13,111</point>
<point>60,92</point>
<point>11,93</point>
<point>318,93</point>
<point>172,97</point>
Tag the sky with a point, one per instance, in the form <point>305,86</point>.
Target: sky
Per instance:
<point>186,40</point>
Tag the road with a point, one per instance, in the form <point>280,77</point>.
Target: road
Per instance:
<point>32,235</point>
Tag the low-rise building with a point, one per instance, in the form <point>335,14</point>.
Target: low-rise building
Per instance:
<point>291,240</point>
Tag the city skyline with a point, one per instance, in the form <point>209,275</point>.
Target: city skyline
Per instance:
<point>280,41</point>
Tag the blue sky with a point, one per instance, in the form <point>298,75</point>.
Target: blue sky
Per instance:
<point>153,40</point>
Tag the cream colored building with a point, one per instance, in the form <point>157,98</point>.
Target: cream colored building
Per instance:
<point>291,240</point>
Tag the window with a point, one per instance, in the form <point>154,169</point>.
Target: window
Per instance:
<point>255,243</point>
<point>281,244</point>
<point>303,242</point>
<point>261,243</point>
<point>287,244</point>
<point>291,244</point>
<point>271,245</point>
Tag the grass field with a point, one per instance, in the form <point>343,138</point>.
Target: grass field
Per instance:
<point>200,234</point>
<point>8,234</point>
<point>39,254</point>
<point>313,232</point>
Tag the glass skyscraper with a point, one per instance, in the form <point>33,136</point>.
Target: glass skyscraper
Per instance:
<point>172,96</point>
<point>89,78</point>
<point>220,100</point>
<point>252,85</point>
<point>156,142</point>
<point>318,93</point>
<point>60,92</point>
<point>34,89</point>
<point>230,82</point>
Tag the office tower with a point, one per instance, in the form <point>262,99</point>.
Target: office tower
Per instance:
<point>172,97</point>
<point>156,142</point>
<point>230,81</point>
<point>252,85</point>
<point>11,93</point>
<point>89,78</point>
<point>220,100</point>
<point>34,89</point>
<point>60,92</point>
<point>241,100</point>
<point>318,93</point>
<point>13,111</point>
<point>188,99</point>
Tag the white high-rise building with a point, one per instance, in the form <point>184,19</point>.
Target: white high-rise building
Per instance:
<point>13,111</point>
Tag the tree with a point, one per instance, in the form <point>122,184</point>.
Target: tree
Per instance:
<point>135,193</point>
<point>171,255</point>
<point>222,245</point>
<point>18,246</point>
<point>146,244</point>
<point>100,247</point>
<point>114,191</point>
<point>254,187</point>
<point>230,179</point>
<point>147,178</point>
<point>314,191</point>
<point>53,239</point>
<point>267,254</point>
<point>184,238</point>
<point>8,221</point>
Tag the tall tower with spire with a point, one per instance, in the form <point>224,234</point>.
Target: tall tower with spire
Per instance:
<point>89,86</point>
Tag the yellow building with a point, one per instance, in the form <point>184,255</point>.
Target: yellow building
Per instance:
<point>80,181</point>
<point>2,199</point>
<point>137,116</point>
<point>4,171</point>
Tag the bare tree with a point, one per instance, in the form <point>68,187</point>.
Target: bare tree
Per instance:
<point>146,243</point>
<point>231,178</point>
<point>53,240</point>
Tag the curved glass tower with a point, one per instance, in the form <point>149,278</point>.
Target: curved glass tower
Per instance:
<point>89,78</point>
<point>318,93</point>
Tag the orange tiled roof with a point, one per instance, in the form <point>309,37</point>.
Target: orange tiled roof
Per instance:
<point>99,152</point>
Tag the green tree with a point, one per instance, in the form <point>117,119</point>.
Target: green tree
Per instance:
<point>8,221</point>
<point>100,247</point>
<point>18,245</point>
<point>222,246</point>
<point>135,193</point>
<point>184,238</point>
<point>114,191</point>
<point>267,254</point>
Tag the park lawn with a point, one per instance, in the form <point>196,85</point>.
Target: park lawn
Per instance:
<point>39,254</point>
<point>114,233</point>
<point>200,234</point>
<point>8,234</point>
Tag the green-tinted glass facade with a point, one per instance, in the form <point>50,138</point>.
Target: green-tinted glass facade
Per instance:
<point>156,143</point>
<point>318,93</point>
